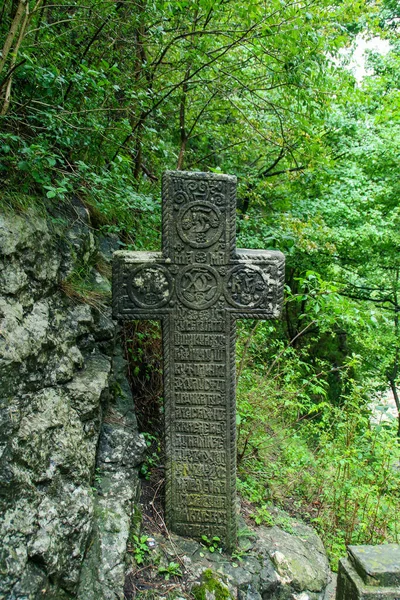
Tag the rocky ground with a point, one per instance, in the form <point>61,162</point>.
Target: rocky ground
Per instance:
<point>285,561</point>
<point>270,563</point>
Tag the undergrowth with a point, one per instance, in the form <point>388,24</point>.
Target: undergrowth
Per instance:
<point>329,464</point>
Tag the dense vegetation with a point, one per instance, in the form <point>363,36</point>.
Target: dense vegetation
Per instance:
<point>97,98</point>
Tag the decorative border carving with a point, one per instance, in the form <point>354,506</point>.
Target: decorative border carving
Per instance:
<point>231,491</point>
<point>169,401</point>
<point>166,215</point>
<point>116,288</point>
<point>231,222</point>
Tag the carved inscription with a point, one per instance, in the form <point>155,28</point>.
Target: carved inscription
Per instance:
<point>200,388</point>
<point>198,286</point>
<point>189,257</point>
<point>196,399</point>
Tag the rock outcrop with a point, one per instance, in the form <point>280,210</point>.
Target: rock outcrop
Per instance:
<point>69,446</point>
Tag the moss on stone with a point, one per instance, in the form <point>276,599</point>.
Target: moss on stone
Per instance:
<point>136,522</point>
<point>211,587</point>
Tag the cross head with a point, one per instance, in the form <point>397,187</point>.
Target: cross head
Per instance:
<point>198,286</point>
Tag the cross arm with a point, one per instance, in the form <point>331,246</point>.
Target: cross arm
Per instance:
<point>142,285</point>
<point>254,284</point>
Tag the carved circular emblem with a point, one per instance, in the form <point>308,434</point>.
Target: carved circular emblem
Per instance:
<point>198,286</point>
<point>150,286</point>
<point>245,286</point>
<point>200,224</point>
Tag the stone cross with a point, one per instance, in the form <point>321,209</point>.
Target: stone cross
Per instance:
<point>198,286</point>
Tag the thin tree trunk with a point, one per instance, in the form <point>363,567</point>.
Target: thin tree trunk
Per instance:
<point>392,375</point>
<point>396,397</point>
<point>138,148</point>
<point>39,23</point>
<point>7,96</point>
<point>139,64</point>
<point>182,115</point>
<point>22,7</point>
<point>22,32</point>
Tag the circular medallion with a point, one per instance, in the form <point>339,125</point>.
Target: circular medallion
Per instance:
<point>150,286</point>
<point>200,224</point>
<point>198,286</point>
<point>245,286</point>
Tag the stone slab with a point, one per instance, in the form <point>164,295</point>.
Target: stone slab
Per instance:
<point>369,573</point>
<point>377,565</point>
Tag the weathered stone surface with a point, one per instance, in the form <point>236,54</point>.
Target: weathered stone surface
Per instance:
<point>377,565</point>
<point>117,484</point>
<point>330,591</point>
<point>299,558</point>
<point>59,379</point>
<point>199,286</point>
<point>370,572</point>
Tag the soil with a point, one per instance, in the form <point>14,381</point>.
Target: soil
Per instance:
<point>145,580</point>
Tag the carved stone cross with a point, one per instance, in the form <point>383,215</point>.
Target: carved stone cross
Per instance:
<point>198,286</point>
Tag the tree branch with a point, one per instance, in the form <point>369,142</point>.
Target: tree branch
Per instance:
<point>285,171</point>
<point>10,72</point>
<point>174,87</point>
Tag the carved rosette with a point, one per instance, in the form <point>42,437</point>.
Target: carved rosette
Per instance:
<point>245,286</point>
<point>150,286</point>
<point>199,224</point>
<point>197,218</point>
<point>198,286</point>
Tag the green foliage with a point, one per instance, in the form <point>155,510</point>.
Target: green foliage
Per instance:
<point>143,348</point>
<point>131,89</point>
<point>152,458</point>
<point>213,544</point>
<point>312,457</point>
<point>98,476</point>
<point>171,570</point>
<point>263,517</point>
<point>140,548</point>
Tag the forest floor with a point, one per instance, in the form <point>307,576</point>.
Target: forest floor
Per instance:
<point>164,570</point>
